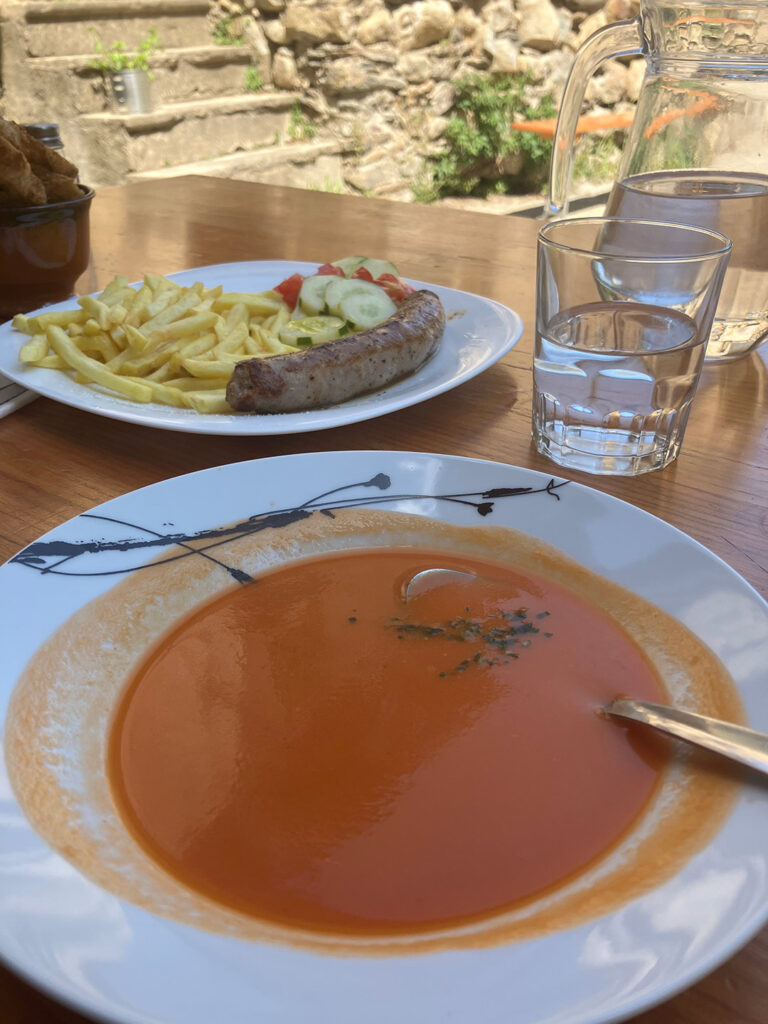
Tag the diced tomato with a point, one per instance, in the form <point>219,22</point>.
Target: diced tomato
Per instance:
<point>289,289</point>
<point>327,269</point>
<point>394,287</point>
<point>363,274</point>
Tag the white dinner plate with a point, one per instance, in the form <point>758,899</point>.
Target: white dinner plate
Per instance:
<point>111,959</point>
<point>478,333</point>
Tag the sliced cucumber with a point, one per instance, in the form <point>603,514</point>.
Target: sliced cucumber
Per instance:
<point>349,264</point>
<point>341,287</point>
<point>378,267</point>
<point>366,309</point>
<point>312,294</point>
<point>311,330</point>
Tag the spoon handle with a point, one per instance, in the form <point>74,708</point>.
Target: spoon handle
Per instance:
<point>735,741</point>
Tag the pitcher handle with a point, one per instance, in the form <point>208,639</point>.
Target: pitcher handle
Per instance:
<point>621,39</point>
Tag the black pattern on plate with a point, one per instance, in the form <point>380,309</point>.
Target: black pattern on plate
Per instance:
<point>57,556</point>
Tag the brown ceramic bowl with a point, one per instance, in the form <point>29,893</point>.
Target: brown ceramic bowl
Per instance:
<point>43,251</point>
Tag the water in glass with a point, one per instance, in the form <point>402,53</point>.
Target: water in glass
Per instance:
<point>613,385</point>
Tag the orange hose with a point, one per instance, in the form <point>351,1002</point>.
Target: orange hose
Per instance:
<point>588,123</point>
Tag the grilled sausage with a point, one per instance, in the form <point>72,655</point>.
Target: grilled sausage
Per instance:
<point>341,369</point>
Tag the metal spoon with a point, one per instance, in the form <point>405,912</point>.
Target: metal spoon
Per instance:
<point>734,741</point>
<point>428,578</point>
<point>746,746</point>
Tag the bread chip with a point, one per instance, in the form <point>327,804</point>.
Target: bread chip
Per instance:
<point>36,151</point>
<point>58,187</point>
<point>17,177</point>
<point>32,173</point>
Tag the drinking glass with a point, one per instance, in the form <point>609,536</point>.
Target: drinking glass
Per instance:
<point>735,203</point>
<point>624,309</point>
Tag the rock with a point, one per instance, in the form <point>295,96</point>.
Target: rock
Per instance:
<point>269,6</point>
<point>415,67</point>
<point>365,8</point>
<point>262,55</point>
<point>316,104</point>
<point>589,26</point>
<point>531,63</point>
<point>443,97</point>
<point>378,28</point>
<point>422,24</point>
<point>510,164</point>
<point>375,172</point>
<point>467,22</point>
<point>374,130</point>
<point>417,92</point>
<point>275,32</point>
<point>588,6</point>
<point>557,66</point>
<point>442,68</point>
<point>548,71</point>
<point>635,78</point>
<point>499,15</point>
<point>609,85</point>
<point>285,74</point>
<point>435,127</point>
<point>484,41</point>
<point>505,57</point>
<point>618,10</point>
<point>351,75</point>
<point>230,26</point>
<point>385,168</point>
<point>541,25</point>
<point>307,23</point>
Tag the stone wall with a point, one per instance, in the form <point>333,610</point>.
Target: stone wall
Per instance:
<point>361,90</point>
<point>380,72</point>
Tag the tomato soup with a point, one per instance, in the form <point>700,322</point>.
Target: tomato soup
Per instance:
<point>310,749</point>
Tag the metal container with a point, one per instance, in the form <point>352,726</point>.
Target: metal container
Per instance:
<point>47,133</point>
<point>131,91</point>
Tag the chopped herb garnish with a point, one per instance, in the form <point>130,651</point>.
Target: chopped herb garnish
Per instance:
<point>496,635</point>
<point>413,627</point>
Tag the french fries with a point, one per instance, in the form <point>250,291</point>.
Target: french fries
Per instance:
<point>158,341</point>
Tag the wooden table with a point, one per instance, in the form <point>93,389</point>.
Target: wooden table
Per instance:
<point>57,462</point>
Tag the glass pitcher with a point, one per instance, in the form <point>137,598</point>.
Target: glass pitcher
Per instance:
<point>697,151</point>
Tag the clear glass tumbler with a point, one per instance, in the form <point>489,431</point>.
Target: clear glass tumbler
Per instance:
<point>624,309</point>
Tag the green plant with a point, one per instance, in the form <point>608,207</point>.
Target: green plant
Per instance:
<point>253,79</point>
<point>228,31</point>
<point>329,185</point>
<point>596,158</point>
<point>299,128</point>
<point>481,136</point>
<point>424,189</point>
<point>117,57</point>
